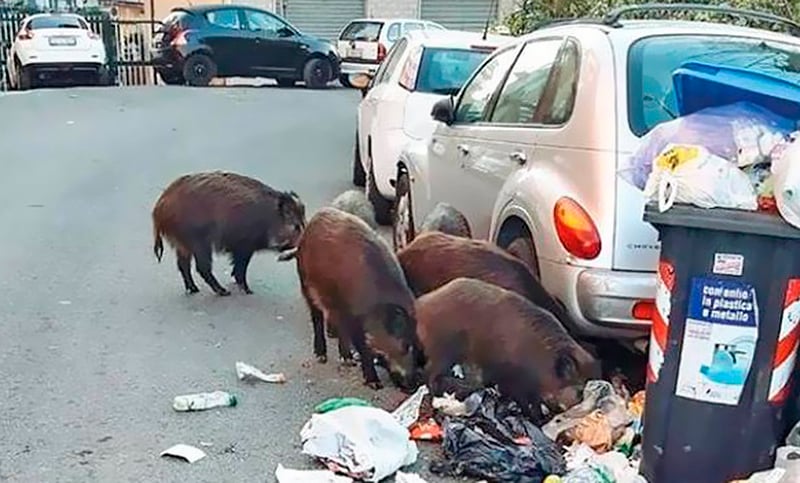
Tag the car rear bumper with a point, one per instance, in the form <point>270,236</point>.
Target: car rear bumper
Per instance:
<point>352,68</point>
<point>65,57</point>
<point>601,301</point>
<point>167,59</point>
<point>52,70</point>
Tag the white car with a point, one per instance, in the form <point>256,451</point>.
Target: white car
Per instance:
<point>364,42</point>
<point>422,68</point>
<point>50,45</point>
<point>530,148</point>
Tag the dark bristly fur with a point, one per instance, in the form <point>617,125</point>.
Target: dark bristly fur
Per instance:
<point>505,340</point>
<point>353,283</point>
<point>203,213</point>
<point>435,258</point>
<point>446,219</point>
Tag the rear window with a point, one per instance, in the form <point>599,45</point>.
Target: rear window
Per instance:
<point>362,31</point>
<point>175,19</point>
<point>57,22</point>
<point>444,71</point>
<point>652,60</point>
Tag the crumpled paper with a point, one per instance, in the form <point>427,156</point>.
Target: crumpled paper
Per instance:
<point>363,442</point>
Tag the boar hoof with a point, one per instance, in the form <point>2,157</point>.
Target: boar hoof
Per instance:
<point>347,362</point>
<point>375,385</point>
<point>322,359</point>
<point>223,293</point>
<point>192,291</point>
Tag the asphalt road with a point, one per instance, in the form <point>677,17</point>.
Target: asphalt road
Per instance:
<point>96,337</point>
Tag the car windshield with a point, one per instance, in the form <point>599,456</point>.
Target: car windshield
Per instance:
<point>444,71</point>
<point>57,22</point>
<point>363,31</point>
<point>652,60</point>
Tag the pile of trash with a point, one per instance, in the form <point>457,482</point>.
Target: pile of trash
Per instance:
<point>738,156</point>
<point>484,436</point>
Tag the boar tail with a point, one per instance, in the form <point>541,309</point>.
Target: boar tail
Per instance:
<point>158,245</point>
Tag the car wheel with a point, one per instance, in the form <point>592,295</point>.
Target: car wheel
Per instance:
<point>403,231</point>
<point>382,206</point>
<point>24,78</point>
<point>103,77</point>
<point>199,70</point>
<point>522,248</point>
<point>317,73</point>
<point>172,78</point>
<point>359,176</point>
<point>286,82</point>
<point>344,80</point>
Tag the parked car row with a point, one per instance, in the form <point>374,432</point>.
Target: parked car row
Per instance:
<point>194,45</point>
<point>529,147</point>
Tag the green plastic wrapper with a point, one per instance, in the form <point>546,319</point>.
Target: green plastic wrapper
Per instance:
<point>339,402</point>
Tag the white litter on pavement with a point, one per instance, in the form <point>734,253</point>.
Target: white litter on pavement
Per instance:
<point>407,413</point>
<point>363,442</point>
<point>408,478</point>
<point>287,475</point>
<point>248,372</point>
<point>185,452</point>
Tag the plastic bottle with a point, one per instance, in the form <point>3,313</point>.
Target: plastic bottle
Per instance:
<point>202,401</point>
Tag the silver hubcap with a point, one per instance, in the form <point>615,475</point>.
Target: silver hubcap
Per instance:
<point>403,224</point>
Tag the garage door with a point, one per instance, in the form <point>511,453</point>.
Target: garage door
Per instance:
<point>459,15</point>
<point>323,18</point>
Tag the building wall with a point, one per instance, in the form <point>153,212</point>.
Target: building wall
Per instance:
<point>411,9</point>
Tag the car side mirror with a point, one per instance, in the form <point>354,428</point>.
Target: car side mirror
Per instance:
<point>443,111</point>
<point>362,82</point>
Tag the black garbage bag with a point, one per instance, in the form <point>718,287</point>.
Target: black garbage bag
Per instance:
<point>497,443</point>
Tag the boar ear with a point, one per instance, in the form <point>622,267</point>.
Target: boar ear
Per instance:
<point>566,367</point>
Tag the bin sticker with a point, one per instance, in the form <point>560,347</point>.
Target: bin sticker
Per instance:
<point>786,349</point>
<point>719,340</point>
<point>665,283</point>
<point>728,264</point>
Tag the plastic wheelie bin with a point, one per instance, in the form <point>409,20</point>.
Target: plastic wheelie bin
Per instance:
<point>722,346</point>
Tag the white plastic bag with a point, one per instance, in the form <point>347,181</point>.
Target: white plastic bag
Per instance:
<point>786,182</point>
<point>364,442</point>
<point>287,475</point>
<point>691,174</point>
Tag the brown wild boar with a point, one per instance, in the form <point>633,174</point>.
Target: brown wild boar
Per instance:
<point>352,281</point>
<point>509,341</point>
<point>446,219</point>
<point>435,258</point>
<point>203,213</point>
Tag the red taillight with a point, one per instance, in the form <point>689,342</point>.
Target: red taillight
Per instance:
<point>179,38</point>
<point>643,310</point>
<point>576,230</point>
<point>25,35</point>
<point>381,52</point>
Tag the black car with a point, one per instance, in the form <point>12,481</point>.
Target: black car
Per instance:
<point>196,44</point>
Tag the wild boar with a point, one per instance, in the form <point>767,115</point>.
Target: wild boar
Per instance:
<point>356,203</point>
<point>351,280</point>
<point>508,340</point>
<point>446,219</point>
<point>203,213</point>
<point>435,258</point>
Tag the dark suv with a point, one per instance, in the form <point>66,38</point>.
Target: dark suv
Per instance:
<point>196,44</point>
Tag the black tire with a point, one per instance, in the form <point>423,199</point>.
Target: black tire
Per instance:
<point>199,70</point>
<point>172,78</point>
<point>403,205</point>
<point>382,206</point>
<point>359,176</point>
<point>103,77</point>
<point>317,73</point>
<point>286,82</point>
<point>522,248</point>
<point>24,78</point>
<point>344,80</point>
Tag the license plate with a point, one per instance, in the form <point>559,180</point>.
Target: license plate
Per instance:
<point>62,40</point>
<point>355,53</point>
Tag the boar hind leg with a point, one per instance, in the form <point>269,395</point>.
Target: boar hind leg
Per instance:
<point>318,324</point>
<point>185,267</point>
<point>359,340</point>
<point>202,259</point>
<point>346,352</point>
<point>240,262</point>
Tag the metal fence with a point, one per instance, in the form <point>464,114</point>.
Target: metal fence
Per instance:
<point>127,45</point>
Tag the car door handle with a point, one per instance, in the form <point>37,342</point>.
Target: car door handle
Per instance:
<point>463,149</point>
<point>518,157</point>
